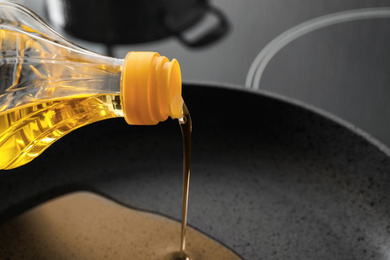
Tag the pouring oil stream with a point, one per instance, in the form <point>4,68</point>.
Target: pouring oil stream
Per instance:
<point>186,129</point>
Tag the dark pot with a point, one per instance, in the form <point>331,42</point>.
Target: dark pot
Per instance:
<point>270,179</point>
<point>127,22</point>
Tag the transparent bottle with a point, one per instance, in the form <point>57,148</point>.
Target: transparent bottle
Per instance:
<point>50,86</point>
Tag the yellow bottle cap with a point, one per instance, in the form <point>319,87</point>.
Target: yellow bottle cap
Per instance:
<point>150,88</point>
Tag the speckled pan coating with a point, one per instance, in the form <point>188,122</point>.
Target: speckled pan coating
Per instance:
<point>270,179</point>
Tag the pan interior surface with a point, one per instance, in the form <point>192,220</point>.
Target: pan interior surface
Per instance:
<point>270,179</point>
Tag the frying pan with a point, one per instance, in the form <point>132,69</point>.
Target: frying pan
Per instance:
<point>271,178</point>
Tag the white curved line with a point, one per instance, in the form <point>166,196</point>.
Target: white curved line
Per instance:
<point>266,54</point>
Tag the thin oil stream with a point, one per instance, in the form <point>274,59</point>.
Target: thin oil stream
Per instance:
<point>186,129</point>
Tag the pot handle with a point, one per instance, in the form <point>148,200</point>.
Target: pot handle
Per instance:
<point>211,35</point>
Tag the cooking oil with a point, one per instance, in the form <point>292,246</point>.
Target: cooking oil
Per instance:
<point>84,225</point>
<point>186,129</point>
<point>27,131</point>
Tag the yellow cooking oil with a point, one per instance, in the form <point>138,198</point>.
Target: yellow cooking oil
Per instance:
<point>27,131</point>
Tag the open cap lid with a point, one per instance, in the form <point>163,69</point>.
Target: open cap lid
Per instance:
<point>150,88</point>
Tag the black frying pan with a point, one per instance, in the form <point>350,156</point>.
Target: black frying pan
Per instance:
<point>270,179</point>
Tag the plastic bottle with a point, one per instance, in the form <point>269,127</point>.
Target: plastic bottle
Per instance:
<point>49,86</point>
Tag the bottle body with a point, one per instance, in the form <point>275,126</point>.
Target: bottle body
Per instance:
<point>48,87</point>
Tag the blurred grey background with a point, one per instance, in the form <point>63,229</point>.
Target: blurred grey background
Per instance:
<point>342,66</point>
